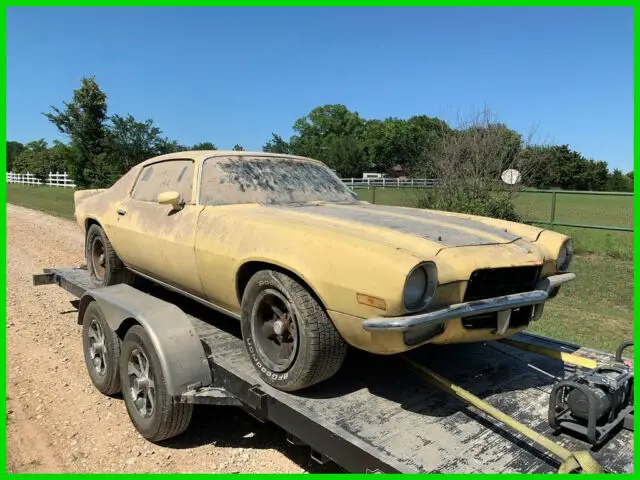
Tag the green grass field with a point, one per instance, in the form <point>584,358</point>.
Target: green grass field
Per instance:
<point>596,310</point>
<point>56,201</point>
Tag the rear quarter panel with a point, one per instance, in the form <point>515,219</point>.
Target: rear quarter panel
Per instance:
<point>100,205</point>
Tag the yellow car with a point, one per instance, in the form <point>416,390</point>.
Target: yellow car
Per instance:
<point>281,244</point>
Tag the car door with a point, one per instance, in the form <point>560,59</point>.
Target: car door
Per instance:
<point>159,240</point>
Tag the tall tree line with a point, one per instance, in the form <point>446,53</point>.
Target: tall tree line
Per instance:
<point>102,146</point>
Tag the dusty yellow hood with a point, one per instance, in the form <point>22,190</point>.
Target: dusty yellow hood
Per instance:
<point>387,223</point>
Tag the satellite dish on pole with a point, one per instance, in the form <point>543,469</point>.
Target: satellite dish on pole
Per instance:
<point>511,176</point>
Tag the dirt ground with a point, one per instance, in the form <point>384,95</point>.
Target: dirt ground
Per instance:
<point>58,422</point>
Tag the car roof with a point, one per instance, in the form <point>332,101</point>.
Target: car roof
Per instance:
<point>201,155</point>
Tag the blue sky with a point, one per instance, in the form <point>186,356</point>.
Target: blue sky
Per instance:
<point>235,75</point>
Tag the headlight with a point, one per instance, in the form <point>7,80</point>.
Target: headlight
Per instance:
<point>565,256</point>
<point>420,286</point>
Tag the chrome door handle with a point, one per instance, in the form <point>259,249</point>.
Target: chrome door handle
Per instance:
<point>122,211</point>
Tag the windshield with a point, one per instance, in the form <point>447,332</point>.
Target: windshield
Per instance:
<point>254,179</point>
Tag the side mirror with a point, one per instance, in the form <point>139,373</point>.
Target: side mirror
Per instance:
<point>171,198</point>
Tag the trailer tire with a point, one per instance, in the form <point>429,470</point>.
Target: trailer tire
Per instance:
<point>104,265</point>
<point>161,417</point>
<point>101,347</point>
<point>313,347</point>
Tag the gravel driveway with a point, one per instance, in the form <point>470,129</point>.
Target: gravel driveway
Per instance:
<point>58,422</point>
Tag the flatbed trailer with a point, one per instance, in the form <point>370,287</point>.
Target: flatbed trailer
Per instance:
<point>376,415</point>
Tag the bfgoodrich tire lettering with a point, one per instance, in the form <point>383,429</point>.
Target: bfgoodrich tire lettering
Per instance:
<point>317,348</point>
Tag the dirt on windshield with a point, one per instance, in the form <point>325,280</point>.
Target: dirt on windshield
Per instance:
<point>249,179</point>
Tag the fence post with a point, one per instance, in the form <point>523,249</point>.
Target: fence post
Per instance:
<point>553,208</point>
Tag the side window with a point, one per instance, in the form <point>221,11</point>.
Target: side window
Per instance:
<point>161,177</point>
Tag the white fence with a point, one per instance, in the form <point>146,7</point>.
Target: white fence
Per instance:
<point>53,179</point>
<point>389,182</point>
<point>63,180</point>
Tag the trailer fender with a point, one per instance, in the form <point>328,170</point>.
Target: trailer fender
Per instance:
<point>177,344</point>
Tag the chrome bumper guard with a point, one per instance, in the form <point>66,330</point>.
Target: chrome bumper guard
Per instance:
<point>503,305</point>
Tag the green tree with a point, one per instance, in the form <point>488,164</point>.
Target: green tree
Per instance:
<point>129,143</point>
<point>38,159</point>
<point>594,175</point>
<point>320,133</point>
<point>564,168</point>
<point>619,182</point>
<point>13,150</point>
<point>238,148</point>
<point>83,119</point>
<point>346,155</point>
<point>545,175</point>
<point>133,141</point>
<point>409,144</point>
<point>204,146</point>
<point>61,157</point>
<point>277,145</point>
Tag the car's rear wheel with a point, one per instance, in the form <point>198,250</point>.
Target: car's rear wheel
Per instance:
<point>288,335</point>
<point>103,264</point>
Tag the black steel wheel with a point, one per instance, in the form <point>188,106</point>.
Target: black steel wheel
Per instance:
<point>101,347</point>
<point>154,413</point>
<point>104,266</point>
<point>274,329</point>
<point>288,335</point>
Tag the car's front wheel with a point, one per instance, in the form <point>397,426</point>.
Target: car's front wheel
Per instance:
<point>288,335</point>
<point>104,266</point>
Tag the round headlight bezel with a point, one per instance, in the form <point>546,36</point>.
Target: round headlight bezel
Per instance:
<point>565,256</point>
<point>430,272</point>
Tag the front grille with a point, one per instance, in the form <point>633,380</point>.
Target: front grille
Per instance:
<point>495,282</point>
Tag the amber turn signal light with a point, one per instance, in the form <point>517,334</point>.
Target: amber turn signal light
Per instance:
<point>372,301</point>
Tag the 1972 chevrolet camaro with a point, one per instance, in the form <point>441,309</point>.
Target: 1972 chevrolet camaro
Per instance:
<point>280,243</point>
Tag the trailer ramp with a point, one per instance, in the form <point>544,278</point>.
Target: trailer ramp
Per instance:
<point>376,415</point>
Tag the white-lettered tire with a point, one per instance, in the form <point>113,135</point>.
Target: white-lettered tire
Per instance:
<point>288,335</point>
<point>154,413</point>
<point>104,266</point>
<point>101,347</point>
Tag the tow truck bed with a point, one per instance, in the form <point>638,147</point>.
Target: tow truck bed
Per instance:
<point>376,415</point>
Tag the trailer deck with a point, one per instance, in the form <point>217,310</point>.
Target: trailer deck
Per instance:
<point>376,415</point>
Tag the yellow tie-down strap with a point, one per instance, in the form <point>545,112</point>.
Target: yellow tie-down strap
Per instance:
<point>552,353</point>
<point>571,462</point>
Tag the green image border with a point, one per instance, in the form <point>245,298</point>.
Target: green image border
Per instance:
<point>275,3</point>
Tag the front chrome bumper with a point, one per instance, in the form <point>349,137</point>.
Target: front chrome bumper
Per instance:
<point>503,305</point>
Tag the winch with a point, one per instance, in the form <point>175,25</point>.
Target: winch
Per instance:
<point>593,403</point>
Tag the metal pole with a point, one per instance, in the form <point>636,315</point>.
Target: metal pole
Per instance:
<point>553,208</point>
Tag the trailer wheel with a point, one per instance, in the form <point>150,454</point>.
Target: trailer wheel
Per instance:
<point>151,409</point>
<point>101,348</point>
<point>104,265</point>
<point>290,339</point>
